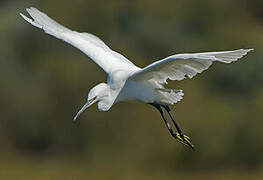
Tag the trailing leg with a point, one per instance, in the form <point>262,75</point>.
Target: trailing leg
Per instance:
<point>158,107</point>
<point>186,140</point>
<point>178,136</point>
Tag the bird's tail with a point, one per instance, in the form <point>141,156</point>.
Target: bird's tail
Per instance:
<point>170,96</point>
<point>42,21</point>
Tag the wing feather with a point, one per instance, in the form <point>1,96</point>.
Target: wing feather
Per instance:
<point>89,44</point>
<point>179,66</point>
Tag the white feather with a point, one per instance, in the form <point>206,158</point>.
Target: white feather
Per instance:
<point>177,67</point>
<point>125,80</point>
<point>89,44</point>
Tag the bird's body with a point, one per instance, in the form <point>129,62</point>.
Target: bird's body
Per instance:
<point>128,82</point>
<point>148,92</point>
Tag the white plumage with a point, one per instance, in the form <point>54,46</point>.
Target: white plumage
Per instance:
<point>125,80</point>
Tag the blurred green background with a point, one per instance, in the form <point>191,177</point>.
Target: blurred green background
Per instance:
<point>44,82</point>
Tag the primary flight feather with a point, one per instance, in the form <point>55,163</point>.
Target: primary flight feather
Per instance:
<point>126,81</point>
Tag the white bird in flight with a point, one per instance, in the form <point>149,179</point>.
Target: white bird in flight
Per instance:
<point>127,81</point>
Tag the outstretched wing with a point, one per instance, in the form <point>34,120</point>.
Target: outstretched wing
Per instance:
<point>89,44</point>
<point>177,67</point>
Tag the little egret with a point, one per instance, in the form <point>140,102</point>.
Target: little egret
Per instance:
<point>127,81</point>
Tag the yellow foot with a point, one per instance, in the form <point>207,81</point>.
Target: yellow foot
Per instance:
<point>184,140</point>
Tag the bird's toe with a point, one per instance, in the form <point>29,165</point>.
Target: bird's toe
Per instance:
<point>184,140</point>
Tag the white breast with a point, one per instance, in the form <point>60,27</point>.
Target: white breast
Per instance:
<point>141,91</point>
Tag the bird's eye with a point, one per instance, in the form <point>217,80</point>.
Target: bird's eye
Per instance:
<point>92,99</point>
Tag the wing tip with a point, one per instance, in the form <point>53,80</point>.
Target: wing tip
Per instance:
<point>29,20</point>
<point>247,50</point>
<point>244,51</point>
<point>25,17</point>
<point>32,10</point>
<point>237,54</point>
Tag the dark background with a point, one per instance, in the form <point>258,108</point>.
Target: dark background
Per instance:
<point>44,82</point>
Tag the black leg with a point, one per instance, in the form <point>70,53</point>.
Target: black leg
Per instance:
<point>178,136</point>
<point>166,107</point>
<point>185,138</point>
<point>158,106</point>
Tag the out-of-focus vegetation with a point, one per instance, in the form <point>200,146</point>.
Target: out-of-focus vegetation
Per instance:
<point>45,81</point>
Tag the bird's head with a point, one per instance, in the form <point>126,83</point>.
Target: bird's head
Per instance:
<point>99,94</point>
